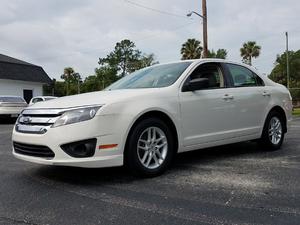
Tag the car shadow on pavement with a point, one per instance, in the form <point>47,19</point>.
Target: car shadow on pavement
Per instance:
<point>84,176</point>
<point>183,162</point>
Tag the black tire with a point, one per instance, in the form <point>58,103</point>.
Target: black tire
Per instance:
<point>132,160</point>
<point>265,139</point>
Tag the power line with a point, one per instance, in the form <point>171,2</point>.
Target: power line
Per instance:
<point>155,10</point>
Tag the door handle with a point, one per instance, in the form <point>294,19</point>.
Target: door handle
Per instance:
<point>266,93</point>
<point>228,97</point>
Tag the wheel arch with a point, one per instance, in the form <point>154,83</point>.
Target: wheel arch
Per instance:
<point>155,114</point>
<point>281,111</point>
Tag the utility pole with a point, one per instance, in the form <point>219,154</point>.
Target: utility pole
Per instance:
<point>204,18</point>
<point>287,60</point>
<point>204,14</point>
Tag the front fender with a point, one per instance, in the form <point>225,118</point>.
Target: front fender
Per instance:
<point>124,115</point>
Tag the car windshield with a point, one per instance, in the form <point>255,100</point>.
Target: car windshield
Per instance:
<point>11,99</point>
<point>151,77</point>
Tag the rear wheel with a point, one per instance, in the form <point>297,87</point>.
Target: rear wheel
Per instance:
<point>150,148</point>
<point>273,132</point>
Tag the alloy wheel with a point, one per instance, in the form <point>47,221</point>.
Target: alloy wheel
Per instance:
<point>275,130</point>
<point>152,147</point>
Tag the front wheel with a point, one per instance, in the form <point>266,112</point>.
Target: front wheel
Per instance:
<point>273,133</point>
<point>150,148</point>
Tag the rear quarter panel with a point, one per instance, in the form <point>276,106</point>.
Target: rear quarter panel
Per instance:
<point>280,96</point>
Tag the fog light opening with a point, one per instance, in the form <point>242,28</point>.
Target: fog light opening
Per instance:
<point>80,149</point>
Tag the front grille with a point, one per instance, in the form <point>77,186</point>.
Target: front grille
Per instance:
<point>33,150</point>
<point>37,121</point>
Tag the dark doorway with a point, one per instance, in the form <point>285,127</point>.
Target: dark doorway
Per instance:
<point>27,94</point>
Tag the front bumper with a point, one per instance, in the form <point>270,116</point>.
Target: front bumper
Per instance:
<point>100,127</point>
<point>94,162</point>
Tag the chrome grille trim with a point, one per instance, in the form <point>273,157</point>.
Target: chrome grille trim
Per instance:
<point>43,111</point>
<point>32,129</point>
<point>37,121</point>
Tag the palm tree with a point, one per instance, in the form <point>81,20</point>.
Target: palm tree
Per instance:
<point>191,49</point>
<point>220,54</point>
<point>250,50</point>
<point>67,76</point>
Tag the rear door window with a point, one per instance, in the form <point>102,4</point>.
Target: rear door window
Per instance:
<point>243,77</point>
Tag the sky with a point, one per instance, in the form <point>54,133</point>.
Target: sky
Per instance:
<point>60,33</point>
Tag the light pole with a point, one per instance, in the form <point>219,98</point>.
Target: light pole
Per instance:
<point>204,18</point>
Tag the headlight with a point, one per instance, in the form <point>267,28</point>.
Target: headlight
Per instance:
<point>76,115</point>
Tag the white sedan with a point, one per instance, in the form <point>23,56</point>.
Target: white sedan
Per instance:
<point>145,118</point>
<point>11,106</point>
<point>41,99</point>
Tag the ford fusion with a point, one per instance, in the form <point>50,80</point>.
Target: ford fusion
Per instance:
<point>144,119</point>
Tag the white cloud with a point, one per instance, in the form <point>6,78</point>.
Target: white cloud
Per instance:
<point>56,34</point>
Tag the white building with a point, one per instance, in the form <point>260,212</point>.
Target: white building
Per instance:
<point>21,78</point>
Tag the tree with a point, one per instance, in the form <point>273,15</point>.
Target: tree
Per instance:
<point>72,80</point>
<point>105,76</point>
<point>90,83</point>
<point>77,82</point>
<point>279,73</point>
<point>191,49</point>
<point>59,89</point>
<point>220,54</point>
<point>125,58</point>
<point>66,76</point>
<point>250,50</point>
<point>144,61</point>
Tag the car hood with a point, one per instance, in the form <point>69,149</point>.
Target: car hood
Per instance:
<point>98,97</point>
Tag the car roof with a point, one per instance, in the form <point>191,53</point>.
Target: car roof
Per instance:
<point>196,61</point>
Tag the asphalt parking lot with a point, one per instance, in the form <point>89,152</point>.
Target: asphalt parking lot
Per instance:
<point>234,184</point>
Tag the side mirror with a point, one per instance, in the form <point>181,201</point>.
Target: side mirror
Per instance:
<point>196,84</point>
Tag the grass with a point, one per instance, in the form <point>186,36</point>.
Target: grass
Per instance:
<point>296,112</point>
